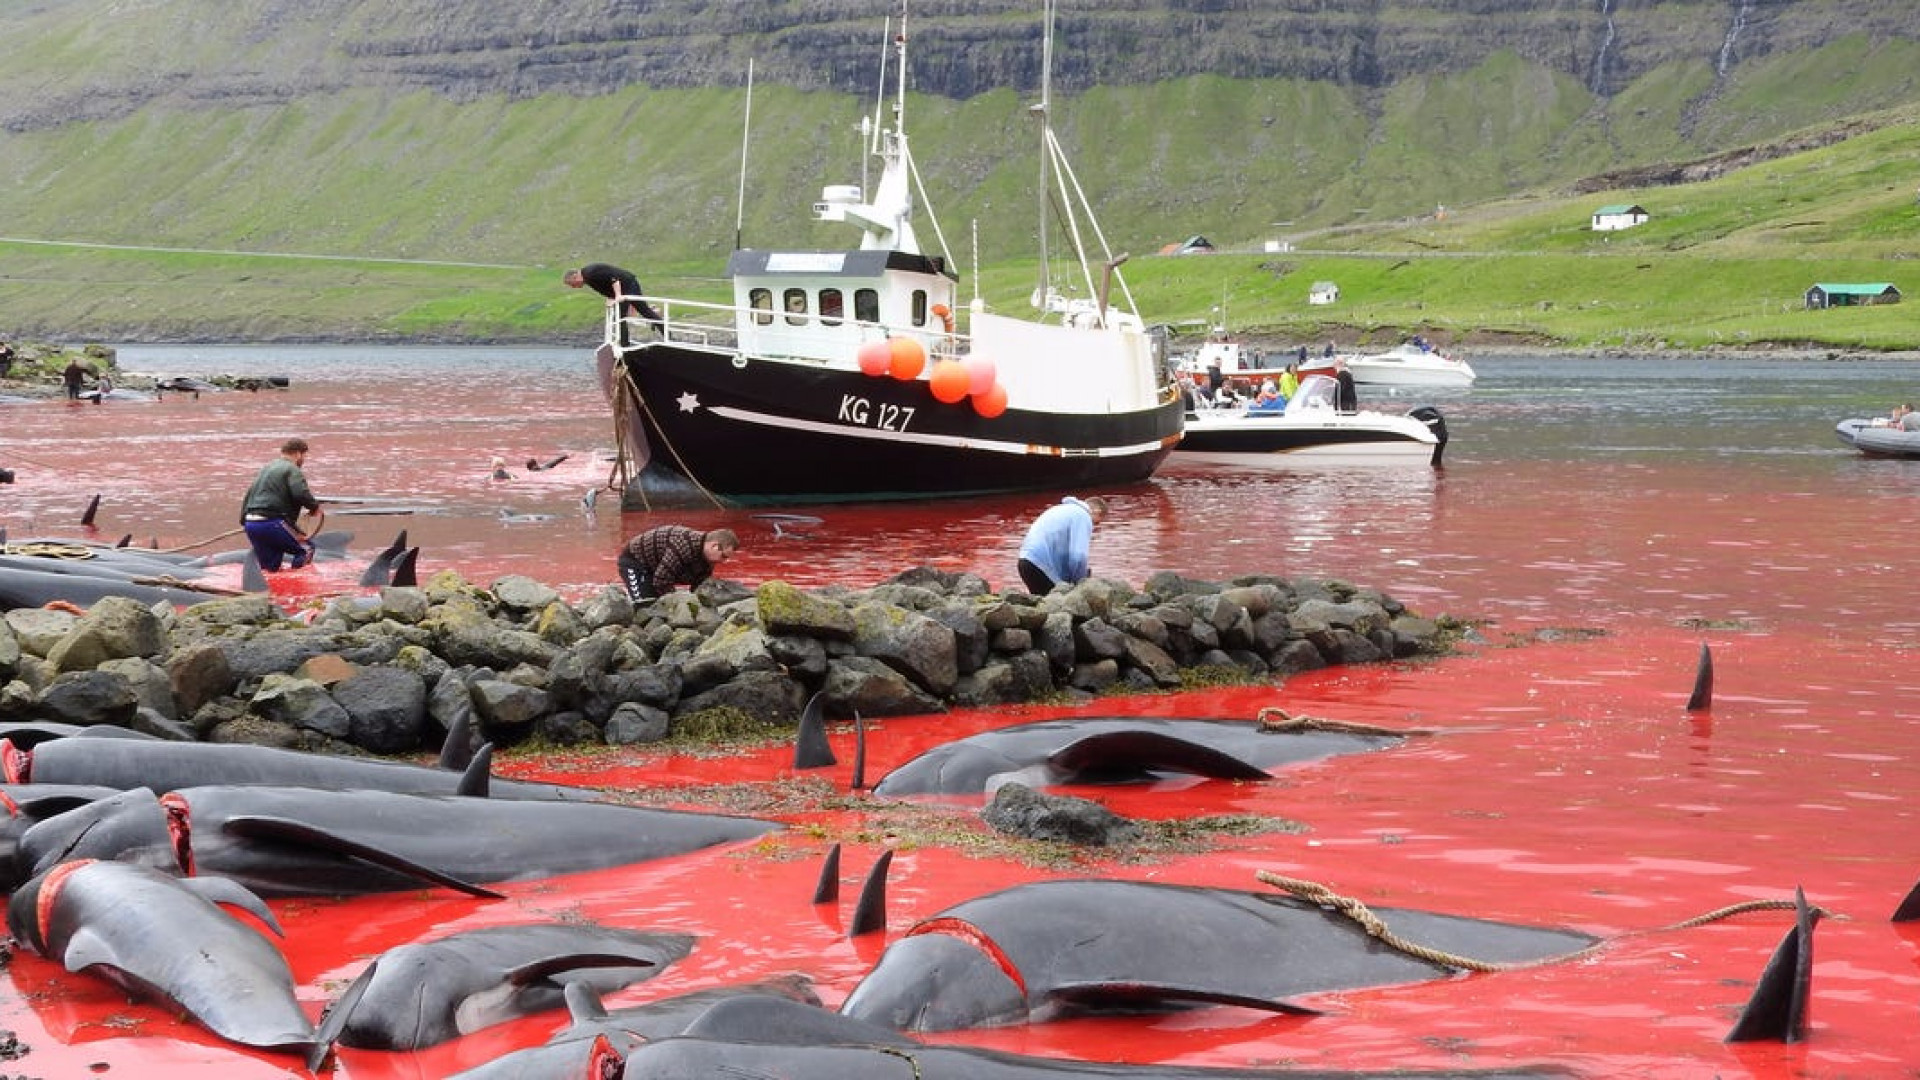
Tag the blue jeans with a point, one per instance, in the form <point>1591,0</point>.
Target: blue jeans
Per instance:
<point>274,540</point>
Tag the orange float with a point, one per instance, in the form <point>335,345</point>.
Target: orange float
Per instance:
<point>992,403</point>
<point>948,381</point>
<point>908,358</point>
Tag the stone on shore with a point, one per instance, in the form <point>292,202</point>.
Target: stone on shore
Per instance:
<point>517,663</point>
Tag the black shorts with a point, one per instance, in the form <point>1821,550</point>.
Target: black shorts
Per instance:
<point>635,577</point>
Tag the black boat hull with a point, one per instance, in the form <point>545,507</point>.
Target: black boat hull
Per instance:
<point>736,430</point>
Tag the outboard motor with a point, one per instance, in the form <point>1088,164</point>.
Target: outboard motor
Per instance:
<point>1437,424</point>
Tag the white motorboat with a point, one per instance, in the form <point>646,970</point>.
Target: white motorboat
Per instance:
<point>1311,427</point>
<point>1411,363</point>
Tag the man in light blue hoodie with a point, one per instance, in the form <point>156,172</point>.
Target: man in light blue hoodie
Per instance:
<point>1055,550</point>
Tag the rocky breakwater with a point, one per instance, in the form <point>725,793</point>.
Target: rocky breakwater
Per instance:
<point>516,663</point>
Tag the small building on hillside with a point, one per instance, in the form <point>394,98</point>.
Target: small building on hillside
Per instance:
<point>1829,294</point>
<point>1323,292</point>
<point>1618,216</point>
<point>1192,245</point>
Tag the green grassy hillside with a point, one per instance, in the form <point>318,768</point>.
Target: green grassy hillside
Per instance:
<point>1443,203</point>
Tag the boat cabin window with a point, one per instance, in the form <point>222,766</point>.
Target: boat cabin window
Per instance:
<point>919,307</point>
<point>761,300</point>
<point>832,306</point>
<point>796,306</point>
<point>866,305</point>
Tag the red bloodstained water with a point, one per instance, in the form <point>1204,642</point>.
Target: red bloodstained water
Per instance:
<point>1563,783</point>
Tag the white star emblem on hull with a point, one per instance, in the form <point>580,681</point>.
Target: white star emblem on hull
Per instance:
<point>689,402</point>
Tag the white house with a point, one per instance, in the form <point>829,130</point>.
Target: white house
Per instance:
<point>1618,216</point>
<point>1323,292</point>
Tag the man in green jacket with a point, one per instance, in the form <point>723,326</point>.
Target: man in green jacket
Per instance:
<point>271,510</point>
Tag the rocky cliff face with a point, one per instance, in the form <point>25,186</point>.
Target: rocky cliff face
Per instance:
<point>236,52</point>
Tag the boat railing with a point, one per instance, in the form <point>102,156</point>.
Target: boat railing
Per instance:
<point>779,334</point>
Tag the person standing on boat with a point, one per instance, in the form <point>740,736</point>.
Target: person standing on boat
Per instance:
<point>665,556</point>
<point>621,287</point>
<point>1058,542</point>
<point>1345,398</point>
<point>271,511</point>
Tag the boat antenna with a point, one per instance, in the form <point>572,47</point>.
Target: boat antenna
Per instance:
<point>746,130</point>
<point>975,226</point>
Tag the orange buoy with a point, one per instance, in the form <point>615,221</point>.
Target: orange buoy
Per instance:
<point>908,358</point>
<point>992,403</point>
<point>948,381</point>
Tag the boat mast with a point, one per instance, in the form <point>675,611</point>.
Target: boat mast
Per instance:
<point>746,135</point>
<point>1044,293</point>
<point>886,217</point>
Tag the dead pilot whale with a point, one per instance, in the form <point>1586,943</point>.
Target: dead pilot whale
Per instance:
<point>164,765</point>
<point>1114,750</point>
<point>1033,950</point>
<point>298,841</point>
<point>425,993</point>
<point>569,1054</point>
<point>767,1037</point>
<point>159,937</point>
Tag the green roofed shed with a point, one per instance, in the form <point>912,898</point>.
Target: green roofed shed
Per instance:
<point>1835,294</point>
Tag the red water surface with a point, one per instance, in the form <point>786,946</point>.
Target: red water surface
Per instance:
<point>1565,783</point>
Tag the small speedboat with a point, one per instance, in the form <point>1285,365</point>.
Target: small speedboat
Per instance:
<point>1412,363</point>
<point>1311,427</point>
<point>1877,438</point>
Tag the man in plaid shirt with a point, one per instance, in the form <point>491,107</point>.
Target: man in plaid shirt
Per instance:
<point>669,555</point>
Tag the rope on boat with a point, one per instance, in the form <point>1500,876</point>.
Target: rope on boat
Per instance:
<point>627,386</point>
<point>1315,893</point>
<point>1275,719</point>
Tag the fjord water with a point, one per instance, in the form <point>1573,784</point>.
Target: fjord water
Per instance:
<point>1601,518</point>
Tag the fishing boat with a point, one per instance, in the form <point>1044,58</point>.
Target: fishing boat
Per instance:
<point>1312,427</point>
<point>843,376</point>
<point>1411,363</point>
